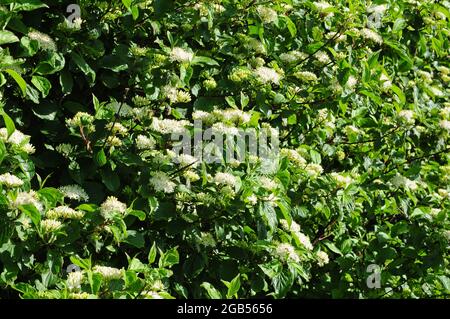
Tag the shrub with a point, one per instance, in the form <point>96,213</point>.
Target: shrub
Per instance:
<point>97,203</point>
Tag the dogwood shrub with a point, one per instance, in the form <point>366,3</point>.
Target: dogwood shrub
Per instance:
<point>96,202</point>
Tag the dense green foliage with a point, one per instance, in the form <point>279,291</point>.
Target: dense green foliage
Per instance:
<point>358,92</point>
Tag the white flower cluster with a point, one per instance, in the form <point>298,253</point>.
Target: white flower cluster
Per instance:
<point>266,14</point>
<point>322,7</point>
<point>351,130</point>
<point>28,198</point>
<point>386,82</point>
<point>225,179</point>
<point>267,183</point>
<point>161,182</point>
<point>64,212</point>
<point>371,35</point>
<point>81,119</point>
<point>294,227</point>
<point>74,280</point>
<point>45,42</point>
<point>108,273</point>
<point>232,115</point>
<point>341,180</point>
<point>401,181</point>
<point>10,180</point>
<point>313,170</point>
<point>445,124</point>
<point>168,126</point>
<point>306,76</point>
<point>292,57</point>
<point>144,142</point>
<point>322,57</point>
<point>181,55</point>
<point>377,9</point>
<point>18,140</point>
<point>112,205</point>
<point>224,129</point>
<point>74,192</point>
<point>293,156</point>
<point>286,252</point>
<point>267,75</point>
<point>351,82</point>
<point>50,225</point>
<point>407,116</point>
<point>116,128</point>
<point>304,240</point>
<point>176,96</point>
<point>322,258</point>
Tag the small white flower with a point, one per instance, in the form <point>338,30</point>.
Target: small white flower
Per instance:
<point>445,124</point>
<point>267,75</point>
<point>186,160</point>
<point>292,57</point>
<point>341,180</point>
<point>74,192</point>
<point>18,138</point>
<point>351,82</point>
<point>64,212</point>
<point>145,143</point>
<point>203,116</point>
<point>117,128</point>
<point>224,129</point>
<point>268,183</point>
<point>313,170</point>
<point>112,205</point>
<point>322,258</point>
<point>371,35</point>
<point>293,156</point>
<point>225,179</point>
<point>74,280</point>
<point>306,76</point>
<point>407,116</point>
<point>168,126</point>
<point>286,252</point>
<point>267,15</point>
<point>181,55</point>
<point>108,273</point>
<point>295,228</point>
<point>252,199</point>
<point>10,180</point>
<point>50,225</point>
<point>304,240</point>
<point>28,198</point>
<point>377,9</point>
<point>322,57</point>
<point>45,42</point>
<point>322,6</point>
<point>161,182</point>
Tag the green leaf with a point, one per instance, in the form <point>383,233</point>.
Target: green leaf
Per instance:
<point>212,292</point>
<point>204,60</point>
<point>100,158</point>
<point>42,84</point>
<point>7,37</point>
<point>28,5</point>
<point>9,123</point>
<point>66,81</point>
<point>31,212</point>
<point>169,258</point>
<point>83,66</point>
<point>80,262</point>
<point>95,281</point>
<point>152,254</point>
<point>291,26</point>
<point>135,239</point>
<point>233,287</point>
<point>19,80</point>
<point>110,179</point>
